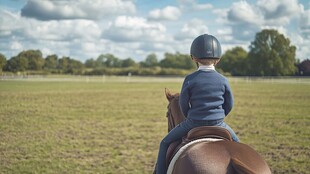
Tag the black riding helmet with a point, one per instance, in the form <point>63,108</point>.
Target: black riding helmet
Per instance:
<point>206,47</point>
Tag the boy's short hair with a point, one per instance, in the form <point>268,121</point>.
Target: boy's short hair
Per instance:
<point>207,61</point>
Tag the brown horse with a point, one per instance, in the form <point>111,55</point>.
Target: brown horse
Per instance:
<point>216,157</point>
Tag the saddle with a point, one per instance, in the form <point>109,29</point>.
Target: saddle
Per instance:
<point>198,133</point>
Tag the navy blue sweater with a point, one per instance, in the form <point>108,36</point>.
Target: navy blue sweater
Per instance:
<point>206,95</point>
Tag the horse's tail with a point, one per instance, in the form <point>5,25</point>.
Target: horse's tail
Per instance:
<point>240,167</point>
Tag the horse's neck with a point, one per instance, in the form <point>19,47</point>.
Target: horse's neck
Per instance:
<point>176,114</point>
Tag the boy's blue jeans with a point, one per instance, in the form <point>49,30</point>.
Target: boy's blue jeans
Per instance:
<point>181,130</point>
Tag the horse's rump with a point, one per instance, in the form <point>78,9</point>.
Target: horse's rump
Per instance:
<point>218,157</point>
<point>182,149</point>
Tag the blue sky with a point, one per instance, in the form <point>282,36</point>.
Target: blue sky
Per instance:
<point>84,29</point>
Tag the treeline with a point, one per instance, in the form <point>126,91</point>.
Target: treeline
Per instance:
<point>32,62</point>
<point>270,54</point>
<point>171,64</point>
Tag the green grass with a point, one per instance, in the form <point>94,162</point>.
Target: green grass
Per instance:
<point>114,125</point>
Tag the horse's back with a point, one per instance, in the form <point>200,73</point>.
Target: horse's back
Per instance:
<point>220,157</point>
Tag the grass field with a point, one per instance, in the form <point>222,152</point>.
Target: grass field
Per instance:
<point>114,125</point>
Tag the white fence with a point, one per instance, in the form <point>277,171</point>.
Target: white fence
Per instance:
<point>72,78</point>
<point>272,79</point>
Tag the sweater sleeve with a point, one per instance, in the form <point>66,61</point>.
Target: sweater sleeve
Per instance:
<point>228,99</point>
<point>184,98</point>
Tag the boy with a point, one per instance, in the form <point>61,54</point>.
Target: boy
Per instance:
<point>205,98</point>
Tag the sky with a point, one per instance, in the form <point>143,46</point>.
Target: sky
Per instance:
<point>84,29</point>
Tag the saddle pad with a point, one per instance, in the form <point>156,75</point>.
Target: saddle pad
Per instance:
<point>183,148</point>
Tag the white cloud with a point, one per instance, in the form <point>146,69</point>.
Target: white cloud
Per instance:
<point>241,12</point>
<point>135,29</point>
<point>279,12</point>
<point>167,13</point>
<point>188,5</point>
<point>244,20</point>
<point>89,47</point>
<point>21,33</point>
<point>225,35</point>
<point>76,9</point>
<point>15,45</point>
<point>247,19</point>
<point>224,31</point>
<point>202,6</point>
<point>137,37</point>
<point>192,29</point>
<point>278,9</point>
<point>302,45</point>
<point>267,12</point>
<point>304,24</point>
<point>280,29</point>
<point>8,22</point>
<point>63,30</point>
<point>302,38</point>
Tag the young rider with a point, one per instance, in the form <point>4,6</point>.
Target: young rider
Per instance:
<point>205,99</point>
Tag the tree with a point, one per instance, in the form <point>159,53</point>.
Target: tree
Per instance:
<point>16,64</point>
<point>75,67</point>
<point>2,61</point>
<point>108,60</point>
<point>34,58</point>
<point>90,63</point>
<point>63,64</point>
<point>150,61</point>
<point>234,61</point>
<point>51,62</point>
<point>304,68</point>
<point>100,61</point>
<point>179,61</point>
<point>68,65</point>
<point>112,61</point>
<point>271,54</point>
<point>128,63</point>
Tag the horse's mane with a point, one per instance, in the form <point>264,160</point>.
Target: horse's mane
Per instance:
<point>174,113</point>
